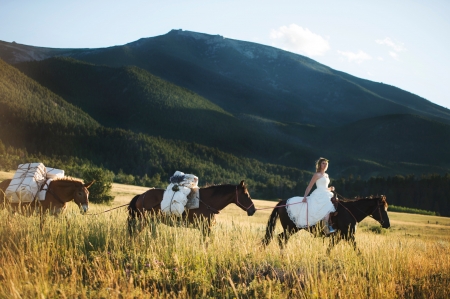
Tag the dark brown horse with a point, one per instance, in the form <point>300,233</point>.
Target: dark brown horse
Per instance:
<point>147,206</point>
<point>60,192</point>
<point>349,214</point>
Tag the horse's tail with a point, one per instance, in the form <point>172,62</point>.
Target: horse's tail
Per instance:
<point>271,225</point>
<point>132,213</point>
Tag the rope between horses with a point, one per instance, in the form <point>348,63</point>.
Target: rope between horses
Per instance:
<point>291,204</point>
<point>106,210</point>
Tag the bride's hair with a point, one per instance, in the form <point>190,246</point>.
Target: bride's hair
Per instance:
<point>319,162</point>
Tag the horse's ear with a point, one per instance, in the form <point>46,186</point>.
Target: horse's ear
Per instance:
<point>242,184</point>
<point>87,185</point>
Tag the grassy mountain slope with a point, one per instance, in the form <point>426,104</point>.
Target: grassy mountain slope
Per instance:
<point>26,107</point>
<point>260,80</point>
<point>133,99</point>
<point>241,76</point>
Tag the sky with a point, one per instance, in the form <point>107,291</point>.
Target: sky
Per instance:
<point>397,42</point>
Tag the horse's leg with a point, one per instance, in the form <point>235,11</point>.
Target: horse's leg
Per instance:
<point>42,218</point>
<point>334,239</point>
<point>283,238</point>
<point>151,219</point>
<point>351,239</point>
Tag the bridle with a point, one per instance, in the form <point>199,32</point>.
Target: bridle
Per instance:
<point>241,205</point>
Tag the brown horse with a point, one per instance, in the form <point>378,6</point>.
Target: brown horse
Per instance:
<point>60,192</point>
<point>212,200</point>
<point>349,214</point>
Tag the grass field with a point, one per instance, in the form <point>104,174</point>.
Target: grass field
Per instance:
<point>91,256</point>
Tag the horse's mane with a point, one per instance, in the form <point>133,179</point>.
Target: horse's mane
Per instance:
<point>221,186</point>
<point>371,197</point>
<point>68,178</point>
<point>216,186</point>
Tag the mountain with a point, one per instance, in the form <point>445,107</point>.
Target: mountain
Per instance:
<point>249,100</point>
<point>248,78</point>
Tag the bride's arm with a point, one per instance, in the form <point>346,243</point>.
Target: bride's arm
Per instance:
<point>311,184</point>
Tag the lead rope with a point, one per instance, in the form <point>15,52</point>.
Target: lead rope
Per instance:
<point>307,216</point>
<point>106,210</point>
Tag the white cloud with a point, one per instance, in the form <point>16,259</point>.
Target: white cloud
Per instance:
<point>299,40</point>
<point>396,47</point>
<point>393,54</point>
<point>356,57</point>
<point>380,58</point>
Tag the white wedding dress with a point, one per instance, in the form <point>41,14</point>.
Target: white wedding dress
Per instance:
<point>318,205</point>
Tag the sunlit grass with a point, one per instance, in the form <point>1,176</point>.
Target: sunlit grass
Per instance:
<point>92,256</point>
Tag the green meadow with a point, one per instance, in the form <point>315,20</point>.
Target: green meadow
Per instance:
<point>92,256</point>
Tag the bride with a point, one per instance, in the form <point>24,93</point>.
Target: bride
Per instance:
<point>307,211</point>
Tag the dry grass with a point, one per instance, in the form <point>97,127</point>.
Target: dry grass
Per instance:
<point>93,257</point>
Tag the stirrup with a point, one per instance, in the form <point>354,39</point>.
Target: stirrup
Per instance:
<point>330,230</point>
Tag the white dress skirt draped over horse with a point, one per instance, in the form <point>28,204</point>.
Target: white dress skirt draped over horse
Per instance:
<point>317,207</point>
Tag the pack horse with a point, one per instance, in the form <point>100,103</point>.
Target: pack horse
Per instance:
<point>36,188</point>
<point>147,207</point>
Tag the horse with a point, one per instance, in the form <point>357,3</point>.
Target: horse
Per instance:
<point>348,214</point>
<point>59,192</point>
<point>147,206</point>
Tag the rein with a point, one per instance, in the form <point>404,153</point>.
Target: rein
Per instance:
<point>208,207</point>
<point>291,204</point>
<point>355,200</point>
<point>106,210</point>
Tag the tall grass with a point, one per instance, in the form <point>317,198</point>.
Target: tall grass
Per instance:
<point>80,256</point>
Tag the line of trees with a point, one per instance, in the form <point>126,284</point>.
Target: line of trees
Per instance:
<point>430,192</point>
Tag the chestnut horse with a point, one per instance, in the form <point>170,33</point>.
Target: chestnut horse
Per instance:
<point>349,213</point>
<point>147,206</point>
<point>60,192</point>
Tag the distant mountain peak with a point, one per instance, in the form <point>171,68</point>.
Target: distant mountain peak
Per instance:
<point>196,35</point>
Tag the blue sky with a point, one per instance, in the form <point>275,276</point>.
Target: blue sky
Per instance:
<point>397,42</point>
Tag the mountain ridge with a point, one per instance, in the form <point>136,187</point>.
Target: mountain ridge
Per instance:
<point>285,108</point>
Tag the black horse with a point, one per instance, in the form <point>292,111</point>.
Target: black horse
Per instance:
<point>349,213</point>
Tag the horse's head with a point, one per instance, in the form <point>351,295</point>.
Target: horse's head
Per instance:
<point>81,196</point>
<point>380,212</point>
<point>244,200</point>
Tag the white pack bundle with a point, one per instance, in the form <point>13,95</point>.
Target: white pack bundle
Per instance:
<point>26,182</point>
<point>174,200</point>
<point>175,196</point>
<point>190,181</point>
<point>53,173</point>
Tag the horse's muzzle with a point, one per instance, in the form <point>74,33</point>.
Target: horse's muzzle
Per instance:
<point>84,208</point>
<point>251,211</point>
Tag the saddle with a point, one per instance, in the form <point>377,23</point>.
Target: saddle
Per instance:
<point>333,216</point>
